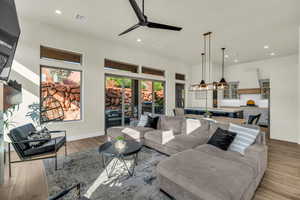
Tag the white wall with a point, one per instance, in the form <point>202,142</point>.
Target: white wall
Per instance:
<point>283,75</point>
<point>27,65</point>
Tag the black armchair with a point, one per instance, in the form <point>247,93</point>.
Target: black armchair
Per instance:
<point>21,144</point>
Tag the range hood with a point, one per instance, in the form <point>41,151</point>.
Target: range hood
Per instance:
<point>9,36</point>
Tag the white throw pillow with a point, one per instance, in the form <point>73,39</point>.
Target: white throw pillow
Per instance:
<point>244,138</point>
<point>191,125</point>
<point>167,136</point>
<point>132,133</point>
<point>143,121</point>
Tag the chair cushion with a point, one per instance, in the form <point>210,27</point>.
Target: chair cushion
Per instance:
<point>20,134</point>
<point>48,147</point>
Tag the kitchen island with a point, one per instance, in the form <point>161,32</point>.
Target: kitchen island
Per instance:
<point>223,112</point>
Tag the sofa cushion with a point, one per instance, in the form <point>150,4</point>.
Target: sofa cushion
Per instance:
<point>222,139</point>
<point>176,124</point>
<point>177,144</point>
<point>114,132</point>
<point>46,148</point>
<point>200,175</point>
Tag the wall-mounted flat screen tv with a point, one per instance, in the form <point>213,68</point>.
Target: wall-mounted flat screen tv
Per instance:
<point>9,36</point>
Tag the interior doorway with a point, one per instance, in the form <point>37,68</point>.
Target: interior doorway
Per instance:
<point>180,95</point>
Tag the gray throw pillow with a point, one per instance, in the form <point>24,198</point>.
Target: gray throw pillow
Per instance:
<point>43,134</point>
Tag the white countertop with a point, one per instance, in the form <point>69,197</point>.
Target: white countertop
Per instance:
<point>228,110</point>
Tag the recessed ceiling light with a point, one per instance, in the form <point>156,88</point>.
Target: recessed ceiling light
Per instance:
<point>266,47</point>
<point>139,40</point>
<point>58,12</point>
<point>226,56</point>
<point>272,54</point>
<point>236,60</point>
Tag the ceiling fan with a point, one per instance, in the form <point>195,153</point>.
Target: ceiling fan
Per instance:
<point>143,20</point>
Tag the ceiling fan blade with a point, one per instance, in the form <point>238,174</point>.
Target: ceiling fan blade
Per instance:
<point>163,26</point>
<point>137,11</point>
<point>130,29</point>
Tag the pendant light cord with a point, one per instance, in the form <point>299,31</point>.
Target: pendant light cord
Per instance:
<point>202,65</point>
<point>223,61</point>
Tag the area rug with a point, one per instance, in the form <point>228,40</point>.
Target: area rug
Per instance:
<point>86,168</point>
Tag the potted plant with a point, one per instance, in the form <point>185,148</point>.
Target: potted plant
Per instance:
<point>120,143</point>
<point>207,114</point>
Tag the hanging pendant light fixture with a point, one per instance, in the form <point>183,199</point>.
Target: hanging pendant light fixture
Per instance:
<point>223,84</point>
<point>203,85</point>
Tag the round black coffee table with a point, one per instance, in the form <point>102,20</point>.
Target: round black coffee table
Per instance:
<point>109,153</point>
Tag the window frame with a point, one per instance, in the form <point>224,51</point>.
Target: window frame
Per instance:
<point>265,91</point>
<point>81,87</point>
<point>230,89</point>
<point>61,55</point>
<point>124,67</point>
<point>153,71</point>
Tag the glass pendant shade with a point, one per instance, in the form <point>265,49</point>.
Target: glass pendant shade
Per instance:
<point>222,84</point>
<point>203,85</point>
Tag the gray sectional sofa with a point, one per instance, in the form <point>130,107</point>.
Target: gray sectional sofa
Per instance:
<point>196,170</point>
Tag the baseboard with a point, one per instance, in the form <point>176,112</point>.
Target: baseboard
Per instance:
<point>85,135</point>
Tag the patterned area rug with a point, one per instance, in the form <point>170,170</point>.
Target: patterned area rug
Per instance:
<point>86,168</point>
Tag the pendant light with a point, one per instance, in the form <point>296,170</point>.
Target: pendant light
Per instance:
<point>203,85</point>
<point>222,84</point>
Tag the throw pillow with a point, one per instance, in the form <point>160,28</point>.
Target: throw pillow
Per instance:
<point>143,121</point>
<point>38,135</point>
<point>191,125</point>
<point>222,139</point>
<point>152,122</point>
<point>245,137</point>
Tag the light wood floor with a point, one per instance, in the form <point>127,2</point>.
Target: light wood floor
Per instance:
<point>281,181</point>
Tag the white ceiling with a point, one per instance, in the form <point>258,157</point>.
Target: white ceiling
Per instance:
<point>243,26</point>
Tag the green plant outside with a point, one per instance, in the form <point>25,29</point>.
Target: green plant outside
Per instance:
<point>122,138</point>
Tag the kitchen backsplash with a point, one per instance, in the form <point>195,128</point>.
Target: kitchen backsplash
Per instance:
<point>263,103</point>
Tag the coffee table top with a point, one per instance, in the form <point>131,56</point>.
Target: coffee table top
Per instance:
<point>132,147</point>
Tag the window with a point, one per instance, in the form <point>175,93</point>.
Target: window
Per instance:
<point>265,88</point>
<point>180,77</point>
<point>57,54</point>
<point>64,87</point>
<point>152,71</point>
<point>109,64</point>
<point>231,92</point>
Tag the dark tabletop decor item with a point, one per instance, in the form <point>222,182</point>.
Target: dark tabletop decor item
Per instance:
<point>222,139</point>
<point>111,153</point>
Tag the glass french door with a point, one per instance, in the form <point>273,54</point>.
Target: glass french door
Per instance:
<point>121,101</point>
<point>127,98</point>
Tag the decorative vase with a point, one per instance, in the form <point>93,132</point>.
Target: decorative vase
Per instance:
<point>120,145</point>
